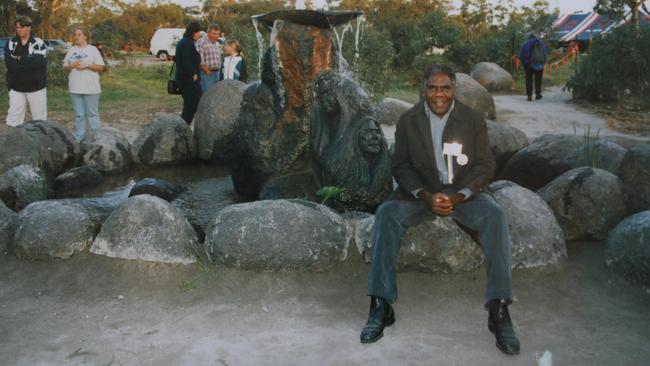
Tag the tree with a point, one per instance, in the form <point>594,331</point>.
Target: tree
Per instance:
<point>55,16</point>
<point>8,11</point>
<point>616,9</point>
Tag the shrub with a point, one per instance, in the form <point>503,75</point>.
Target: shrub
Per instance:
<point>616,68</point>
<point>56,76</point>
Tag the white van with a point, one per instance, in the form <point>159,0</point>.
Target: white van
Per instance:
<point>163,42</point>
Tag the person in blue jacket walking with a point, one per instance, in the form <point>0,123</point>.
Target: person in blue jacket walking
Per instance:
<point>533,56</point>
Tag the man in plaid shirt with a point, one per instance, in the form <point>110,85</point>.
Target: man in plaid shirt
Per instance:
<point>210,51</point>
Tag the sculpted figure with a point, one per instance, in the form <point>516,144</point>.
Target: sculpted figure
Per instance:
<point>348,144</point>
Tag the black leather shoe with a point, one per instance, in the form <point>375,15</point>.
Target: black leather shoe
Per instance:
<point>538,97</point>
<point>381,315</point>
<point>500,324</point>
<point>530,98</point>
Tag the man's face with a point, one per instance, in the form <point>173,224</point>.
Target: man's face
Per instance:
<point>439,93</point>
<point>370,138</point>
<point>213,35</point>
<point>23,30</point>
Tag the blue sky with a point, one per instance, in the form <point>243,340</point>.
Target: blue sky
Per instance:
<point>564,5</point>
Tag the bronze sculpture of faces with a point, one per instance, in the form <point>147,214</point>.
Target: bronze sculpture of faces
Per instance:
<point>370,137</point>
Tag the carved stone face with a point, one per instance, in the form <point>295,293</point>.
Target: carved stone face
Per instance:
<point>327,96</point>
<point>370,137</point>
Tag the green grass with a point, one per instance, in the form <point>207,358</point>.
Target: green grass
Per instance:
<point>120,84</point>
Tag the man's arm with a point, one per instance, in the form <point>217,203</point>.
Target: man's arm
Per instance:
<point>203,66</point>
<point>36,60</point>
<point>406,176</point>
<point>11,63</point>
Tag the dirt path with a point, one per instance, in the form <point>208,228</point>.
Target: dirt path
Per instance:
<point>554,113</point>
<point>99,311</point>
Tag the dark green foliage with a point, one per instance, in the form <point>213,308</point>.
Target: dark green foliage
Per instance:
<point>616,68</point>
<point>56,76</point>
<point>373,67</point>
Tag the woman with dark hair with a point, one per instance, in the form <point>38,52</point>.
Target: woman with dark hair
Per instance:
<point>188,63</point>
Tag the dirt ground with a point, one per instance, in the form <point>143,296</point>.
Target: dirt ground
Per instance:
<point>93,310</point>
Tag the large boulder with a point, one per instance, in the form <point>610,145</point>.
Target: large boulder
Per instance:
<point>389,110</point>
<point>543,160</point>
<point>147,228</point>
<point>214,122</point>
<point>602,154</point>
<point>635,174</point>
<point>587,202</point>
<point>17,147</point>
<point>156,187</point>
<point>505,141</point>
<point>433,245</point>
<point>473,94</point>
<point>107,150</point>
<point>492,76</point>
<point>628,248</point>
<point>8,220</point>
<point>22,185</point>
<point>78,177</point>
<point>537,238</point>
<point>278,235</point>
<point>52,229</point>
<point>59,148</point>
<point>166,140</point>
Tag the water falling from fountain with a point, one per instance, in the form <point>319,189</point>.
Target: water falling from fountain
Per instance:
<point>342,62</point>
<point>260,43</point>
<point>277,26</point>
<point>357,35</point>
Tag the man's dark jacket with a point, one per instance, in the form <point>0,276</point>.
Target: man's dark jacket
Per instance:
<point>25,73</point>
<point>414,163</point>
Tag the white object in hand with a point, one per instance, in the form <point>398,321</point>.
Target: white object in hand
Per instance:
<point>451,150</point>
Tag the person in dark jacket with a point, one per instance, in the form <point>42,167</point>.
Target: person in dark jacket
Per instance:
<point>25,62</point>
<point>533,56</point>
<point>188,62</point>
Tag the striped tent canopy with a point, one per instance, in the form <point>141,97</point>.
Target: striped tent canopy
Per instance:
<point>587,26</point>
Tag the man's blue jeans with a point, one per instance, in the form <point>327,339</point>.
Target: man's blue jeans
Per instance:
<point>208,80</point>
<point>480,213</point>
<point>85,106</point>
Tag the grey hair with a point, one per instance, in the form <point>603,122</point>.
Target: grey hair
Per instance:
<point>214,26</point>
<point>438,69</point>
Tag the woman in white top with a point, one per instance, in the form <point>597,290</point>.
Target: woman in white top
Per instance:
<point>84,62</point>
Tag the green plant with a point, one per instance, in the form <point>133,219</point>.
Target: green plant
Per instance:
<point>587,151</point>
<point>328,192</point>
<point>616,68</point>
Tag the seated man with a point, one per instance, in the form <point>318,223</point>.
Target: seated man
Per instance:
<point>426,186</point>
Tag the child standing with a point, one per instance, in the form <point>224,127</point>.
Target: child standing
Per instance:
<point>234,65</point>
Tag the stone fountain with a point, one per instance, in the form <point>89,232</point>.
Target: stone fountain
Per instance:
<point>307,124</point>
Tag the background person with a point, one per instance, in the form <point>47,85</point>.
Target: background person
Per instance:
<point>210,51</point>
<point>84,62</point>
<point>234,65</point>
<point>533,56</point>
<point>188,63</point>
<point>25,62</point>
